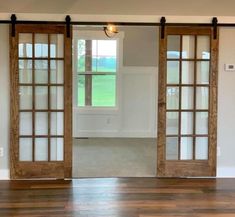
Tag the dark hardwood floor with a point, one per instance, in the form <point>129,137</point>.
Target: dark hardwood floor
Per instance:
<point>123,197</point>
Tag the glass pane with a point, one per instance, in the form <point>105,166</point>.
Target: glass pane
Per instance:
<point>57,123</point>
<point>81,55</point>
<point>41,123</point>
<point>26,101</point>
<point>172,72</point>
<point>41,45</point>
<point>104,55</point>
<point>25,45</point>
<point>25,149</point>
<point>203,68</point>
<point>172,148</point>
<point>188,46</point>
<point>173,46</point>
<point>186,123</point>
<point>41,71</point>
<point>25,71</point>
<point>104,90</point>
<point>203,47</point>
<point>57,149</point>
<point>41,97</point>
<point>187,72</point>
<point>172,120</point>
<point>201,148</point>
<point>57,97</point>
<point>25,123</point>
<point>172,98</point>
<point>57,72</point>
<point>81,90</point>
<point>187,98</point>
<point>186,148</point>
<point>57,46</point>
<point>201,122</point>
<point>202,97</point>
<point>41,149</point>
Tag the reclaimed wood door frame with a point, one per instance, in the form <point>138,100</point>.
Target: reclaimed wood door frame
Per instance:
<point>186,168</point>
<point>52,169</point>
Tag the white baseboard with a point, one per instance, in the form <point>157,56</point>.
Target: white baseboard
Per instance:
<point>225,172</point>
<point>4,174</point>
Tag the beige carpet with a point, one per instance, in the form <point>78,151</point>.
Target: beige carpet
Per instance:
<point>114,157</point>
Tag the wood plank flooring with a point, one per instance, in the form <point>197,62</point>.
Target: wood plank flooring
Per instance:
<point>121,197</point>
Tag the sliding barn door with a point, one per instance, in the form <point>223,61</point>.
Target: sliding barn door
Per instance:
<point>41,98</point>
<point>187,102</point>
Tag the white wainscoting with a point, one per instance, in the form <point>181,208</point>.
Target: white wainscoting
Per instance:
<point>135,115</point>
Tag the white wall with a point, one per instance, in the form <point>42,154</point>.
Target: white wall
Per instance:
<point>226,102</point>
<point>4,99</point>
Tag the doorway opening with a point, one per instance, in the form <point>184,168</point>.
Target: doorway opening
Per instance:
<point>114,102</point>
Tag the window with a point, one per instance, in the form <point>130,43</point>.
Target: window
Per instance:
<point>96,68</point>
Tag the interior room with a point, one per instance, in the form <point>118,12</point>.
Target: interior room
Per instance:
<point>115,134</point>
<point>117,109</point>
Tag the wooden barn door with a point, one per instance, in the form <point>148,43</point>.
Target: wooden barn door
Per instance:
<point>187,115</point>
<point>41,99</point>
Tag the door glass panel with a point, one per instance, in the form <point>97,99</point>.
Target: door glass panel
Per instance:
<point>172,122</point>
<point>25,45</point>
<point>57,149</point>
<point>41,149</point>
<point>173,46</point>
<point>188,46</point>
<point>187,98</point>
<point>25,97</point>
<point>41,97</point>
<point>187,72</point>
<point>201,122</point>
<point>57,123</point>
<point>25,71</point>
<point>172,72</point>
<point>172,98</point>
<point>57,46</point>
<point>25,123</point>
<point>202,97</point>
<point>203,47</point>
<point>25,149</point>
<point>41,123</point>
<point>201,150</point>
<point>203,68</point>
<point>57,72</point>
<point>186,148</point>
<point>41,45</point>
<point>186,123</point>
<point>57,97</point>
<point>172,148</point>
<point>41,71</point>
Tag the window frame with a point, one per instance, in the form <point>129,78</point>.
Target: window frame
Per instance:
<point>79,34</point>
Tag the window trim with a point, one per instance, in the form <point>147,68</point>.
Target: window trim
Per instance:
<point>98,35</point>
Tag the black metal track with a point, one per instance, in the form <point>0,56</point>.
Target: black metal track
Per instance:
<point>81,23</point>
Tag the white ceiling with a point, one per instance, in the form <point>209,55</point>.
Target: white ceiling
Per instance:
<point>122,7</point>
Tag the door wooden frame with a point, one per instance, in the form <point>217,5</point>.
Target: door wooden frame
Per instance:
<point>175,168</point>
<point>60,169</point>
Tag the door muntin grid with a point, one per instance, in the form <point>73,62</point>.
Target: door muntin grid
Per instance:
<point>41,97</point>
<point>187,97</point>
